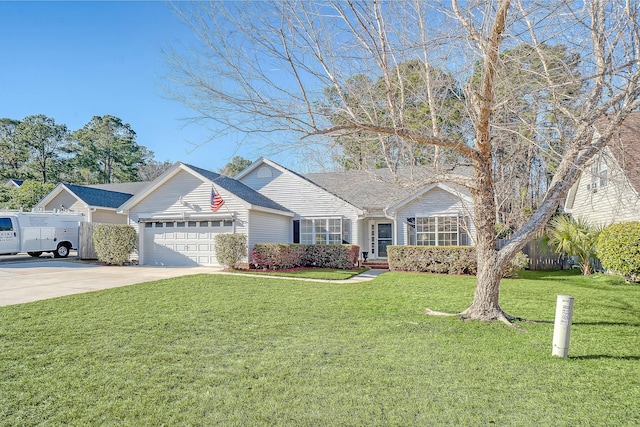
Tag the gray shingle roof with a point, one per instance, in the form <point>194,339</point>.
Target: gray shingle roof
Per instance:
<point>240,190</point>
<point>99,197</point>
<point>376,188</point>
<point>625,146</point>
<point>123,187</point>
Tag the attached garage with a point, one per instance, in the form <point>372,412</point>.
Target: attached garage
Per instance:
<point>182,243</point>
<point>179,214</point>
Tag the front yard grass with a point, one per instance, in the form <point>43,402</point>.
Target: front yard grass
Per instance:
<point>237,351</point>
<point>308,273</point>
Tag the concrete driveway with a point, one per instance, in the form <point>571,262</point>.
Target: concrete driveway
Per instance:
<point>24,280</point>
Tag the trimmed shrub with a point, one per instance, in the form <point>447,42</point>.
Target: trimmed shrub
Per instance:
<point>433,259</point>
<point>114,243</point>
<point>519,262</point>
<point>618,247</point>
<point>278,256</point>
<point>445,260</point>
<point>342,257</point>
<point>230,249</point>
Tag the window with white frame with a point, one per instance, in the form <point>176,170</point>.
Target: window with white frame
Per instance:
<point>599,174</point>
<point>321,231</point>
<point>445,230</point>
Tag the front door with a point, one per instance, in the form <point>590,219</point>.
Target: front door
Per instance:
<point>384,238</point>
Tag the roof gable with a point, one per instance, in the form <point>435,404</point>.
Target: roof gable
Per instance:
<point>15,183</point>
<point>239,189</point>
<point>91,197</point>
<point>249,196</point>
<point>262,161</point>
<point>459,192</point>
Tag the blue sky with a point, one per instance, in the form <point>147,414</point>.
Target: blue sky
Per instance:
<point>75,60</point>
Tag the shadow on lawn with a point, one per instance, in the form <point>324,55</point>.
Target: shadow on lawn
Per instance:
<point>633,325</point>
<point>551,322</point>
<point>604,356</point>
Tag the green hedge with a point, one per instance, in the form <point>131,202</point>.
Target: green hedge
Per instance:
<point>618,248</point>
<point>433,259</point>
<point>230,249</point>
<point>445,260</point>
<point>279,256</point>
<point>114,243</point>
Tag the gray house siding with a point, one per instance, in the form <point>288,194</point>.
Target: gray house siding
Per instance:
<point>435,202</point>
<point>616,201</point>
<point>265,227</point>
<point>302,197</point>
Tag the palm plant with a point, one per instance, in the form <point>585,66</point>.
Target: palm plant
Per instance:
<point>575,238</point>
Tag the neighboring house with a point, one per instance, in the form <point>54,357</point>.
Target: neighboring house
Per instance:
<point>365,208</point>
<point>98,203</point>
<point>609,187</point>
<point>178,215</point>
<point>14,183</point>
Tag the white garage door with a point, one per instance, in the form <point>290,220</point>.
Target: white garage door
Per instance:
<point>182,243</point>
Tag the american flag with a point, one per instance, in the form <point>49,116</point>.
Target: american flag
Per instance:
<point>216,201</point>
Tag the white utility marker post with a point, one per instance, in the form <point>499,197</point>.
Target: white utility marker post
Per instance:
<point>562,326</point>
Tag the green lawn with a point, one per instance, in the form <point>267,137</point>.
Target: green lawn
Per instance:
<point>308,273</point>
<point>238,351</point>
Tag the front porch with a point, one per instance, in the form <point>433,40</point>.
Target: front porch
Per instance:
<point>376,265</point>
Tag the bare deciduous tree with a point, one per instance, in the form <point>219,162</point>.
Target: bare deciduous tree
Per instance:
<point>266,67</point>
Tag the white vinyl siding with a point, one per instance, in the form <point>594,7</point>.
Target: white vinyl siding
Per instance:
<point>269,228</point>
<point>611,200</point>
<point>433,207</point>
<point>305,199</point>
<point>185,196</point>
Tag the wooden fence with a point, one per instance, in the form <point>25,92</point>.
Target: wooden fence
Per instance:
<point>541,257</point>
<point>86,249</point>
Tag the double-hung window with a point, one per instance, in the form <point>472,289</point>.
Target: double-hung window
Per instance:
<point>444,230</point>
<point>321,231</point>
<point>599,174</point>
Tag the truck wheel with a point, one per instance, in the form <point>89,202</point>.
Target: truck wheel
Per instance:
<point>62,251</point>
<point>34,254</point>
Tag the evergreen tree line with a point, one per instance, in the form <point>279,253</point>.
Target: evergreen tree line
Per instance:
<point>103,151</point>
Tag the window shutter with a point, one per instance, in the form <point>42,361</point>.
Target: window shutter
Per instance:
<point>296,231</point>
<point>411,231</point>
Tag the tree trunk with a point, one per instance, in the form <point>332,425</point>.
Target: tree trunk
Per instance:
<point>485,305</point>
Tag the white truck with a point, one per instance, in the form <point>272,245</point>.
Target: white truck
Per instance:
<point>38,232</point>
